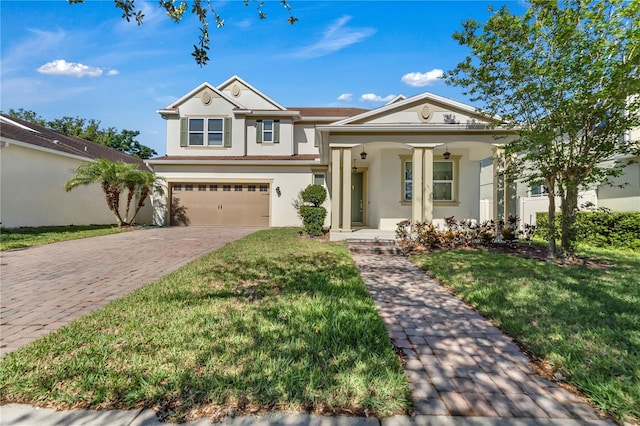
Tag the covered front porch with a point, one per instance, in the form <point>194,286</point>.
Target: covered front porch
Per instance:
<point>375,185</point>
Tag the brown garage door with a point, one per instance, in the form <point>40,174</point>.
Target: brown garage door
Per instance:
<point>241,204</point>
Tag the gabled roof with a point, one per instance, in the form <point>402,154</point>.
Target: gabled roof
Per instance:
<point>397,104</point>
<point>15,130</point>
<point>236,78</point>
<point>202,86</point>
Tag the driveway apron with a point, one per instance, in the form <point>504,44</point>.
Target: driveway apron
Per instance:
<point>457,362</point>
<point>46,287</point>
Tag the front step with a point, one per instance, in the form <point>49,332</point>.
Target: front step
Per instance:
<point>374,246</point>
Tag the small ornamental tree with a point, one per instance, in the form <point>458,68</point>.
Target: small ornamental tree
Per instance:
<point>309,206</point>
<point>114,177</point>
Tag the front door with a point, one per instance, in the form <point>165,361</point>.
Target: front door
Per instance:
<point>357,198</point>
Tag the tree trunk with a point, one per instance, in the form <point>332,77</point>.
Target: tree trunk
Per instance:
<point>144,194</point>
<point>112,193</point>
<point>130,194</point>
<point>569,206</point>
<point>552,251</point>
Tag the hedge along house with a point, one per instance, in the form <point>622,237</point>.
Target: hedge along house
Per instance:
<point>237,157</point>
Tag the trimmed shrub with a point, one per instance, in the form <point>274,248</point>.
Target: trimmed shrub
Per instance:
<point>599,229</point>
<point>313,219</point>
<point>314,195</point>
<point>309,208</point>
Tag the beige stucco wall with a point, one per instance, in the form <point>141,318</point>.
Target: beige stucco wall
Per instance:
<point>32,191</point>
<point>284,147</point>
<point>290,179</point>
<point>247,97</point>
<point>304,139</point>
<point>626,198</point>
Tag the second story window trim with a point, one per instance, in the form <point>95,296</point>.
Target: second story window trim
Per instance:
<point>205,132</point>
<point>268,131</point>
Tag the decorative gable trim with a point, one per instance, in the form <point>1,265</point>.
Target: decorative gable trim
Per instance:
<point>399,105</point>
<point>236,79</point>
<point>196,90</point>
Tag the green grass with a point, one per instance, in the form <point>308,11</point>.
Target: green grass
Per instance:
<point>271,321</point>
<point>584,321</point>
<point>14,238</point>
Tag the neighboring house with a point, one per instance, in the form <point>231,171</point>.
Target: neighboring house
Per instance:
<point>35,164</point>
<point>622,194</point>
<point>237,157</point>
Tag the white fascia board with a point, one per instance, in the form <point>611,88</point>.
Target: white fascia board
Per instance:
<point>410,128</point>
<point>237,162</point>
<point>322,118</point>
<point>272,113</point>
<point>168,112</point>
<point>259,93</point>
<point>47,150</point>
<point>15,123</point>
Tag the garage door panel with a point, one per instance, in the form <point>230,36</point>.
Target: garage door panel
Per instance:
<point>222,204</point>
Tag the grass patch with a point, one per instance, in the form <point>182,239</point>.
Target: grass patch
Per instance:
<point>271,321</point>
<point>584,321</point>
<point>14,238</point>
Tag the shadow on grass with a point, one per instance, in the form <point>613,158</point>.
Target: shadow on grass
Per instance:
<point>584,321</point>
<point>290,328</point>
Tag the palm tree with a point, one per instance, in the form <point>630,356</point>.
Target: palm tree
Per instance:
<point>142,183</point>
<point>112,176</point>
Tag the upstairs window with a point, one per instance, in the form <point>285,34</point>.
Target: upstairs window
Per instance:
<point>198,131</point>
<point>268,131</point>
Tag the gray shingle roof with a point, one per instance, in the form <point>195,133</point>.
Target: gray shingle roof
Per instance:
<point>34,134</point>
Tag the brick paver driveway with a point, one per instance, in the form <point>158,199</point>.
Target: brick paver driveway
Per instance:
<point>45,287</point>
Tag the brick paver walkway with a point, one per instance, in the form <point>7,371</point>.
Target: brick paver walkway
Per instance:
<point>45,287</point>
<point>458,364</point>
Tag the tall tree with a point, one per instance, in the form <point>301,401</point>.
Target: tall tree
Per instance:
<point>203,9</point>
<point>566,75</point>
<point>89,129</point>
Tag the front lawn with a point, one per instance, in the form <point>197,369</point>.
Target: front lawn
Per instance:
<point>13,238</point>
<point>585,322</point>
<point>270,322</point>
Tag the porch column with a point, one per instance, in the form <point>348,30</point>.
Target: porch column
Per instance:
<point>422,187</point>
<point>346,189</point>
<point>427,185</point>
<point>416,187</point>
<point>336,196</point>
<point>499,185</point>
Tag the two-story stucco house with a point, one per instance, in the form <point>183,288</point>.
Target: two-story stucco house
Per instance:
<point>237,157</point>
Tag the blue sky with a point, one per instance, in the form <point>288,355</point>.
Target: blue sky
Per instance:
<point>85,60</point>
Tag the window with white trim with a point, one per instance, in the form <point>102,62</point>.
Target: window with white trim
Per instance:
<point>268,131</point>
<point>407,180</point>
<point>213,128</point>
<point>443,181</point>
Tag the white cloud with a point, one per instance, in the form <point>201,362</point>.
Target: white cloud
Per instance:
<point>336,37</point>
<point>74,69</point>
<point>418,79</point>
<point>372,97</point>
<point>345,97</point>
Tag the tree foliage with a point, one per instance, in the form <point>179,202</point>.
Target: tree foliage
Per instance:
<point>566,75</point>
<point>89,129</point>
<point>202,9</point>
<point>114,178</point>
